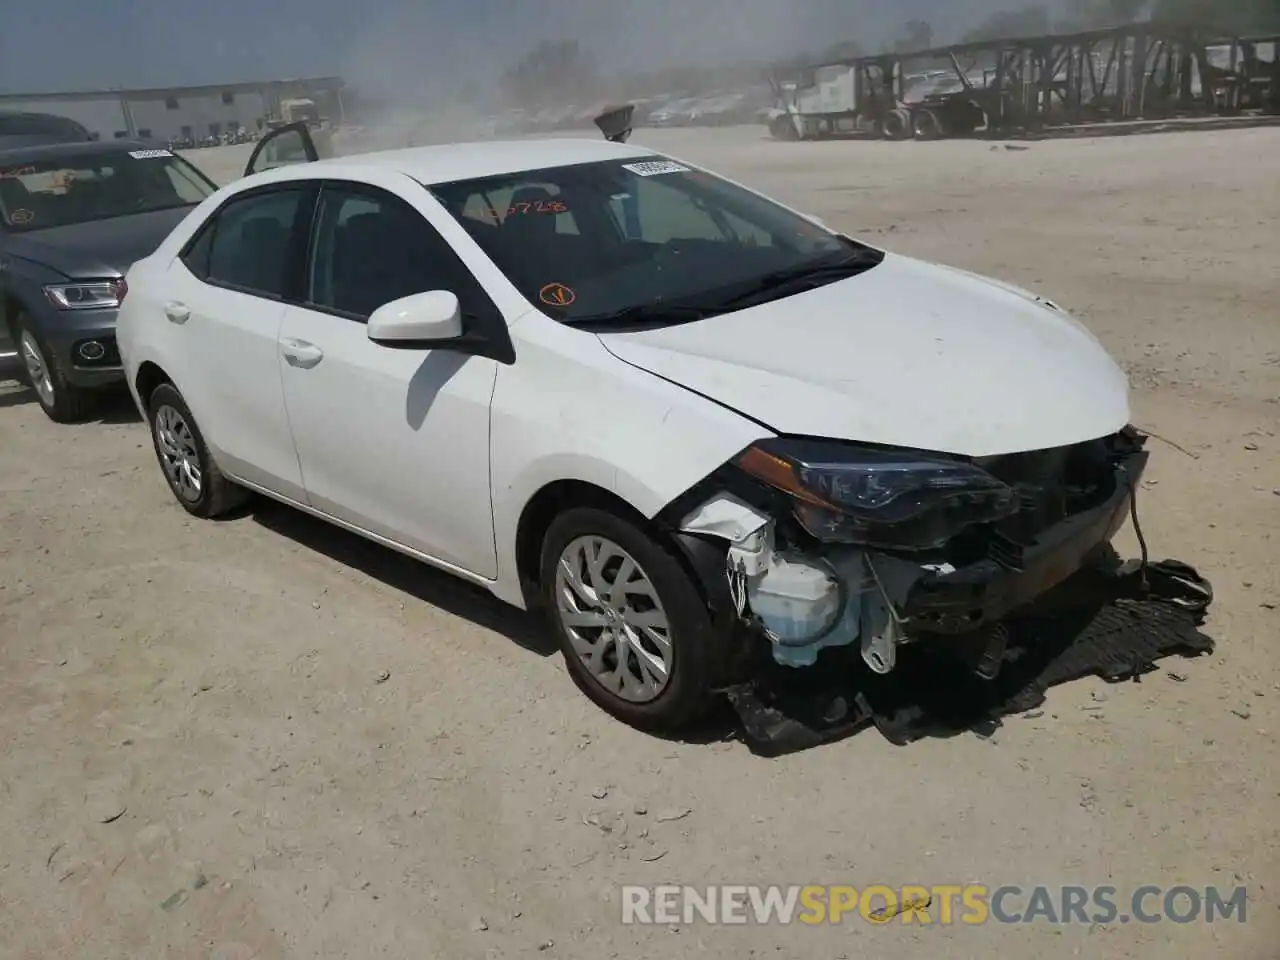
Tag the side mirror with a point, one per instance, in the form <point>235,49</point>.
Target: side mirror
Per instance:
<point>418,320</point>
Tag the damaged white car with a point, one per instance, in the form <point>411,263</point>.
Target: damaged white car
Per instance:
<point>695,427</point>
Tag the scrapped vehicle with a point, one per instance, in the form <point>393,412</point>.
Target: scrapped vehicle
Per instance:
<point>704,434</point>
<point>73,218</point>
<point>673,112</point>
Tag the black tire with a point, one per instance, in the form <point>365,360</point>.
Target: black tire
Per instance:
<point>783,128</point>
<point>216,495</point>
<point>926,125</point>
<point>68,403</point>
<point>695,647</point>
<point>896,125</point>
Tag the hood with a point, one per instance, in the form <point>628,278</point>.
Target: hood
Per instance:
<point>908,354</point>
<point>99,248</point>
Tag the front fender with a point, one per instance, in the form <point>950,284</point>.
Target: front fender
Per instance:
<point>567,409</point>
<point>22,283</point>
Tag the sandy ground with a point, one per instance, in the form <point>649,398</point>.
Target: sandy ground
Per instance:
<point>263,738</point>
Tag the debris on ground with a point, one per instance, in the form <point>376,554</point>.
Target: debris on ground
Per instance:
<point>667,816</point>
<point>1118,636</point>
<point>111,813</point>
<point>898,908</point>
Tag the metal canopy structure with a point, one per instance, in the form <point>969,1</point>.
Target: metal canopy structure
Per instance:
<point>1140,71</point>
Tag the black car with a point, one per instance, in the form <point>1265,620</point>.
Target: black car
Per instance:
<point>73,218</point>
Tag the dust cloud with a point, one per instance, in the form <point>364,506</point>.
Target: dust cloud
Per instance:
<point>425,75</point>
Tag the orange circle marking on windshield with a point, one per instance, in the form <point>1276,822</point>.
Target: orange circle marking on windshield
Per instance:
<point>557,295</point>
<point>21,216</point>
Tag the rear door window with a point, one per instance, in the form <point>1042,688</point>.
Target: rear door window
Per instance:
<point>251,244</point>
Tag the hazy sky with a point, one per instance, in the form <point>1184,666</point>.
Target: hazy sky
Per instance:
<point>405,45</point>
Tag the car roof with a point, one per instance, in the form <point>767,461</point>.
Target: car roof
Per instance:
<point>27,121</point>
<point>74,148</point>
<point>445,163</point>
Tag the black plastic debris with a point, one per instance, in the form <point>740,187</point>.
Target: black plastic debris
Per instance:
<point>616,122</point>
<point>1115,626</point>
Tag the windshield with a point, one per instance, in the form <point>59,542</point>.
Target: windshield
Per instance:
<point>56,191</point>
<point>596,240</point>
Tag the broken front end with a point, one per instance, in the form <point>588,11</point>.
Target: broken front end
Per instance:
<point>831,544</point>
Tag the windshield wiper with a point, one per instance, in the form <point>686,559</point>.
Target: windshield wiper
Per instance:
<point>803,276</point>
<point>643,315</point>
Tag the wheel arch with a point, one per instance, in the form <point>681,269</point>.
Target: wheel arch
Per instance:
<point>150,375</point>
<point>702,559</point>
<point>554,498</point>
<point>542,508</point>
<point>11,307</point>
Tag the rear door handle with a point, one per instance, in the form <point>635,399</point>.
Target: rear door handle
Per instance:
<point>300,353</point>
<point>177,312</point>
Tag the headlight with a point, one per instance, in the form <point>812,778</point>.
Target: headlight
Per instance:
<point>87,295</point>
<point>894,499</point>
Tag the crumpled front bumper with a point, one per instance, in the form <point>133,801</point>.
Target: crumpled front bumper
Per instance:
<point>982,593</point>
<point>887,600</point>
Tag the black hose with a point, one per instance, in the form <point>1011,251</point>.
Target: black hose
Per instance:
<point>1142,541</point>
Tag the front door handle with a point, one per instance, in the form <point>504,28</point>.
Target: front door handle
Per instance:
<point>300,353</point>
<point>177,312</point>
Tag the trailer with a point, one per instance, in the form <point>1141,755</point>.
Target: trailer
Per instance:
<point>1030,85</point>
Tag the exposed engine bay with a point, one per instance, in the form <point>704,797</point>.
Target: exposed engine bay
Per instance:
<point>835,545</point>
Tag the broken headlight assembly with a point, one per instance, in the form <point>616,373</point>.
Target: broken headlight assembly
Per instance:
<point>877,497</point>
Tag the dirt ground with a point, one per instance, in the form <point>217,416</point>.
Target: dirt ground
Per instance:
<point>264,738</point>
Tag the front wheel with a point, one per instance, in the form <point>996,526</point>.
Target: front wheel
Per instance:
<point>61,401</point>
<point>635,632</point>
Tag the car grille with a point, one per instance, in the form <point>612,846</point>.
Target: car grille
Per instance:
<point>1051,485</point>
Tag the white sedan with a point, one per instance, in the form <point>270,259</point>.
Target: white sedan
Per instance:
<point>697,429</point>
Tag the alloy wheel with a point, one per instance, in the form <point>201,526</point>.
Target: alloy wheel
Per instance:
<point>614,619</point>
<point>178,454</point>
<point>37,368</point>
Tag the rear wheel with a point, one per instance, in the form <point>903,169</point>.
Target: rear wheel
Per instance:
<point>188,467</point>
<point>61,401</point>
<point>635,632</point>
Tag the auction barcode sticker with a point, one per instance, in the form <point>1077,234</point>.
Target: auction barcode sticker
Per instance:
<point>149,154</point>
<point>649,168</point>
